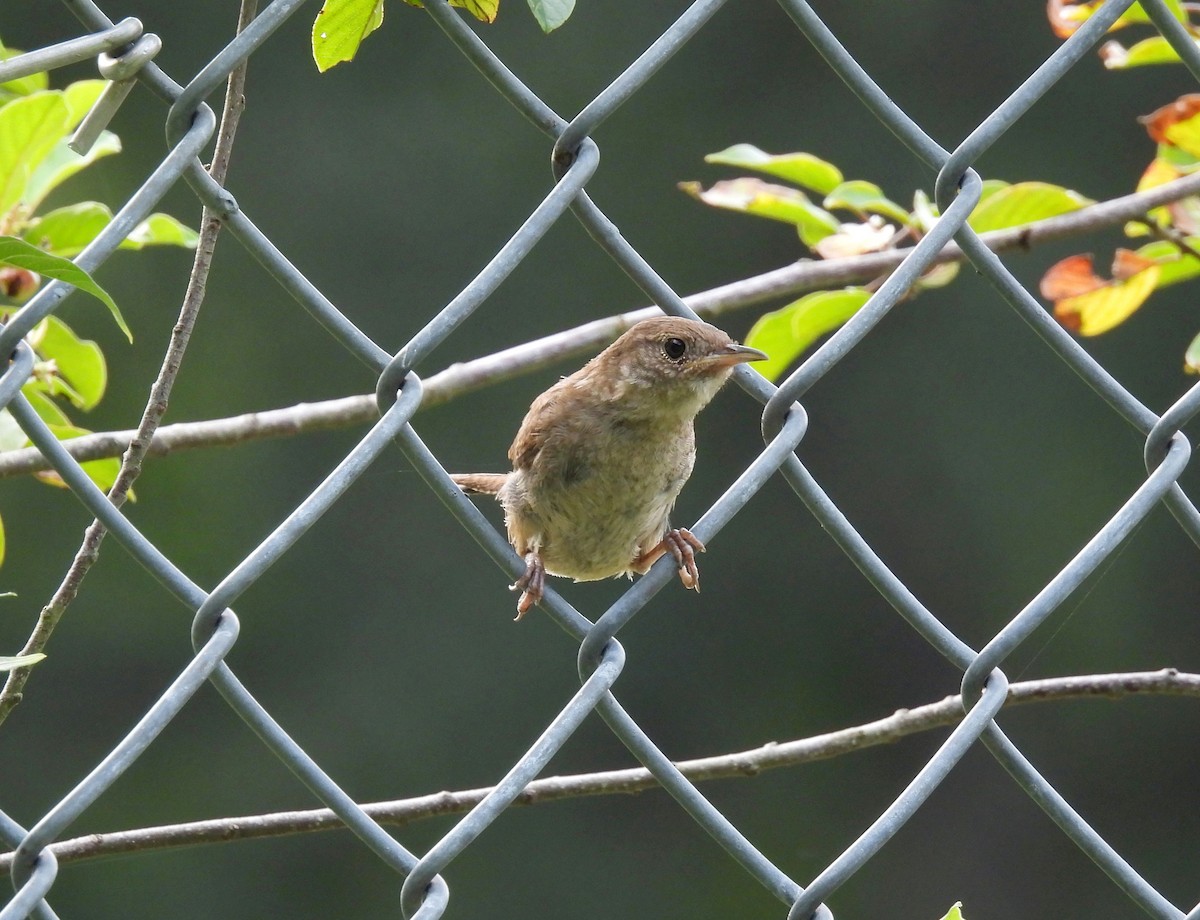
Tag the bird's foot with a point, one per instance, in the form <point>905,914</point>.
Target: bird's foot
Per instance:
<point>531,584</point>
<point>682,544</point>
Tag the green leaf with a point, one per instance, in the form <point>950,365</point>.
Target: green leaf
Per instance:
<point>865,198</point>
<point>340,27</point>
<point>762,199</point>
<point>483,10</point>
<point>10,663</point>
<point>45,407</point>
<point>550,14</point>
<point>62,163</point>
<point>1024,203</point>
<point>1191,358</point>
<point>1149,51</point>
<point>33,83</point>
<point>784,334</point>
<point>23,255</point>
<point>802,168</point>
<point>161,230</point>
<point>955,912</point>
<point>80,96</point>
<point>79,361</point>
<point>68,231</point>
<point>102,472</point>
<point>1175,266</point>
<point>29,128</point>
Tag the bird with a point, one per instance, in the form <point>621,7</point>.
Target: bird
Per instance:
<point>602,455</point>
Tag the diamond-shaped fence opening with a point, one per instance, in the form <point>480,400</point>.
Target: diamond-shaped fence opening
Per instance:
<point>395,588</point>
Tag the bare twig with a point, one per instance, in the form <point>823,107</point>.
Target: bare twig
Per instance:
<point>156,406</point>
<point>904,722</point>
<point>459,379</point>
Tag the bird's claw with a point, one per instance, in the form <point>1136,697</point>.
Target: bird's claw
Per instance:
<point>682,544</point>
<point>531,584</point>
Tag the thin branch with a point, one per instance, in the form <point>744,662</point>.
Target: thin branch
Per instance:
<point>905,722</point>
<point>156,406</point>
<point>459,379</point>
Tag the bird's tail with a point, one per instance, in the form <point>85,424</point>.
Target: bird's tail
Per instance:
<point>484,483</point>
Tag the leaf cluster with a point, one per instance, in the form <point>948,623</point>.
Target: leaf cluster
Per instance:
<point>343,25</point>
<point>70,372</point>
<point>851,217</point>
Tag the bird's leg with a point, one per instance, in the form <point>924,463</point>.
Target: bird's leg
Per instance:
<point>531,584</point>
<point>682,544</point>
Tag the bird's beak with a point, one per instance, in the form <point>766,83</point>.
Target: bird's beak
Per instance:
<point>737,354</point>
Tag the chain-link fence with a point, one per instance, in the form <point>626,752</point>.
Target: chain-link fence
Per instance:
<point>428,878</point>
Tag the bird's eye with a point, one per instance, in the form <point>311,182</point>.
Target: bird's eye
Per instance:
<point>674,348</point>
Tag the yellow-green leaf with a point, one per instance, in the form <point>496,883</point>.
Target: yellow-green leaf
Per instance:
<point>865,198</point>
<point>802,168</point>
<point>61,163</point>
<point>23,255</point>
<point>763,199</point>
<point>79,361</point>
<point>1024,203</point>
<point>24,85</point>
<point>1106,307</point>
<point>80,96</point>
<point>483,10</point>
<point>785,333</point>
<point>30,126</point>
<point>45,407</point>
<point>161,230</point>
<point>67,231</point>
<point>340,27</point>
<point>102,472</point>
<point>1147,52</point>
<point>1175,265</point>
<point>955,912</point>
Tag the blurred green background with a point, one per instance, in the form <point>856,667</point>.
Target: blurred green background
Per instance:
<point>971,459</point>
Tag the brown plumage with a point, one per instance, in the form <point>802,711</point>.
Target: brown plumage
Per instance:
<point>601,456</point>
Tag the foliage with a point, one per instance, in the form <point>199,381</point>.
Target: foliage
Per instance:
<point>342,25</point>
<point>852,217</point>
<point>69,371</point>
<point>1083,301</point>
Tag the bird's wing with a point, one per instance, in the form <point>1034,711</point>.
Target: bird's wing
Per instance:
<point>532,433</point>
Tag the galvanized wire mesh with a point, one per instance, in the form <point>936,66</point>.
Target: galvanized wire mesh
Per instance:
<point>190,125</point>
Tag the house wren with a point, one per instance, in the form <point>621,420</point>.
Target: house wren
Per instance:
<point>602,455</point>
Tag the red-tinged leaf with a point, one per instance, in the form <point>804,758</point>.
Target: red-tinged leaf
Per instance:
<point>1152,50</point>
<point>1176,123</point>
<point>765,199</point>
<point>1066,18</point>
<point>1071,277</point>
<point>1102,308</point>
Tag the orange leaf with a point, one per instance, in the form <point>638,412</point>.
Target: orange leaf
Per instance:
<point>1091,312</point>
<point>1071,277</point>
<point>1159,122</point>
<point>1066,18</point>
<point>1127,263</point>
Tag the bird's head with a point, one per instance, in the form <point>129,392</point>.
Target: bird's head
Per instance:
<point>680,363</point>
